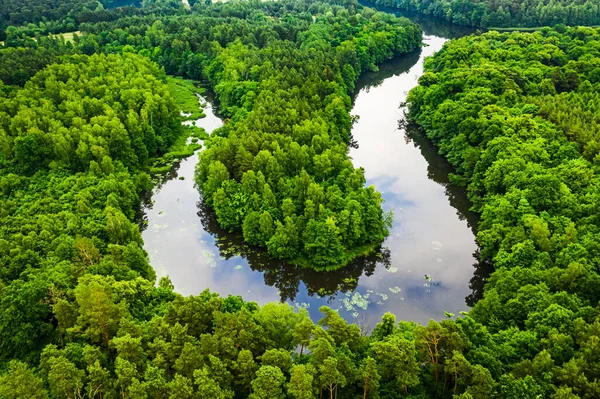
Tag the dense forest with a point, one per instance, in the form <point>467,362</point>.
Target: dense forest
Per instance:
<point>83,120</point>
<point>516,115</point>
<point>41,17</point>
<point>508,13</point>
<point>281,177</point>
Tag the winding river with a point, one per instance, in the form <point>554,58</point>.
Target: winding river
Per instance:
<point>426,265</point>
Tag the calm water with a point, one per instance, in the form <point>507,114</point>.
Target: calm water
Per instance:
<point>424,267</point>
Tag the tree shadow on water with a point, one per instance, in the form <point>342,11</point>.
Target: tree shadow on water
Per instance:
<point>437,170</point>
<point>284,276</point>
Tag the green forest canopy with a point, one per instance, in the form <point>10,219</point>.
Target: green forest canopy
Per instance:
<point>41,17</point>
<point>272,174</point>
<point>516,114</point>
<point>80,123</point>
<point>506,13</point>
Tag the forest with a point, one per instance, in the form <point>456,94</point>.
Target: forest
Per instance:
<point>41,17</point>
<point>505,14</point>
<point>516,115</point>
<point>287,183</point>
<point>83,121</point>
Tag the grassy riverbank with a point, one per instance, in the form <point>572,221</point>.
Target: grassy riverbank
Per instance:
<point>186,95</point>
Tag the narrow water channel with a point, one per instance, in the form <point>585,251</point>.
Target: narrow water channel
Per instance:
<point>425,265</point>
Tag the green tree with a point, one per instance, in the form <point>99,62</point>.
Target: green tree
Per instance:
<point>99,315</point>
<point>330,377</point>
<point>301,384</point>
<point>268,383</point>
<point>64,378</point>
<point>369,378</point>
<point>21,382</point>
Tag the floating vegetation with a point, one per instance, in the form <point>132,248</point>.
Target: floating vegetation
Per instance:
<point>209,257</point>
<point>428,277</point>
<point>159,170</point>
<point>230,251</point>
<point>356,301</point>
<point>383,296</point>
<point>392,269</point>
<point>159,226</point>
<point>238,267</point>
<point>395,290</point>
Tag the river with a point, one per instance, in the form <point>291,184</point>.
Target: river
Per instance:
<point>426,264</point>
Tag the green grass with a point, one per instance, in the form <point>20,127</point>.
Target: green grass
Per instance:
<point>160,169</point>
<point>197,132</point>
<point>185,94</point>
<point>68,35</point>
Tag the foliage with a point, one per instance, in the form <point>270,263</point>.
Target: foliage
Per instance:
<point>280,173</point>
<point>515,113</point>
<point>186,94</point>
<point>74,141</point>
<point>41,17</point>
<point>80,315</point>
<point>511,13</point>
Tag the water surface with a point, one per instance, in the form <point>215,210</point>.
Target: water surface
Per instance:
<point>423,268</point>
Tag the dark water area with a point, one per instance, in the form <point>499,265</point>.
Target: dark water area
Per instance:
<point>425,266</point>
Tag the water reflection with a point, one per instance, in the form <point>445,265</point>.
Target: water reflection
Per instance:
<point>287,278</point>
<point>422,269</point>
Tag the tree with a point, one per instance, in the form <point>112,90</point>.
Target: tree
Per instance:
<point>66,315</point>
<point>323,243</point>
<point>245,367</point>
<point>207,387</point>
<point>396,358</point>
<point>459,368</point>
<point>277,358</point>
<point>303,331</point>
<point>330,377</point>
<point>301,385</point>
<point>338,329</point>
<point>99,315</point>
<point>369,378</point>
<point>482,384</point>
<point>180,388</point>
<point>268,384</point>
<point>21,382</point>
<point>98,380</point>
<point>435,341</point>
<point>384,328</point>
<point>64,378</point>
